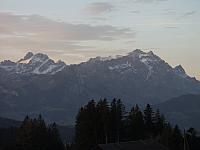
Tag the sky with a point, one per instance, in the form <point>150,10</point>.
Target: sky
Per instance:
<point>77,30</point>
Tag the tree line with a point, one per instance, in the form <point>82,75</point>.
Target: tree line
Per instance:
<point>100,122</point>
<point>33,134</point>
<point>103,122</point>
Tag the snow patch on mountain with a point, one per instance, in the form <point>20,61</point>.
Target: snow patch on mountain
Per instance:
<point>150,68</point>
<point>37,70</point>
<point>33,64</point>
<point>136,61</point>
<point>120,66</point>
<point>58,70</point>
<point>101,59</point>
<point>147,59</point>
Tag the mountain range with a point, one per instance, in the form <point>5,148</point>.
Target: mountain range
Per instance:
<point>37,84</point>
<point>33,64</point>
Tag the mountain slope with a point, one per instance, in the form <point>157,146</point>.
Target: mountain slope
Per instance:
<point>7,123</point>
<point>183,110</point>
<point>138,77</point>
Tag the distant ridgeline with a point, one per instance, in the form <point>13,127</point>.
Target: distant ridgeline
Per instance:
<point>98,124</point>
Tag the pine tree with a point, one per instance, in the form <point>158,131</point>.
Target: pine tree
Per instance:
<point>103,111</point>
<point>148,118</point>
<point>192,141</point>
<point>80,128</point>
<point>176,141</point>
<point>166,135</point>
<point>136,124</point>
<point>159,122</point>
<point>113,121</point>
<point>119,119</point>
<point>54,138</point>
<point>116,119</point>
<point>24,138</point>
<point>34,135</point>
<point>86,126</point>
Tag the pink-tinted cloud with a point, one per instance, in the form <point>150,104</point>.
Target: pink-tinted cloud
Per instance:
<point>148,1</point>
<point>99,8</point>
<point>20,31</point>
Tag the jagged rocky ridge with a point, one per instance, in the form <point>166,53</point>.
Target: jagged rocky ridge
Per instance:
<point>137,77</point>
<point>33,64</point>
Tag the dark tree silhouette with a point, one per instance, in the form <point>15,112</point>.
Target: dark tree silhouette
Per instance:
<point>136,124</point>
<point>176,140</point>
<point>149,120</point>
<point>35,135</point>
<point>87,126</point>
<point>103,112</point>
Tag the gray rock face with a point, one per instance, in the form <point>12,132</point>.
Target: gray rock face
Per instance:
<point>57,91</point>
<point>180,71</point>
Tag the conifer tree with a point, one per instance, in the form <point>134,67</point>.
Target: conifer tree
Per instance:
<point>80,130</point>
<point>176,140</point>
<point>148,118</point>
<point>116,119</point>
<point>87,126</point>
<point>113,121</point>
<point>34,135</point>
<point>54,138</point>
<point>103,111</point>
<point>166,135</point>
<point>119,119</point>
<point>136,124</point>
<point>159,122</point>
<point>192,140</point>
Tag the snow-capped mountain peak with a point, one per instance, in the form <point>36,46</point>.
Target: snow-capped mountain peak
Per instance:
<point>39,57</point>
<point>101,59</point>
<point>146,63</point>
<point>26,58</point>
<point>136,52</point>
<point>33,64</point>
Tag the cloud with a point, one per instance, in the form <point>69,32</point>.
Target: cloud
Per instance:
<point>98,8</point>
<point>189,13</point>
<point>179,15</point>
<point>170,12</point>
<point>186,15</point>
<point>148,1</point>
<point>37,32</point>
<point>135,11</point>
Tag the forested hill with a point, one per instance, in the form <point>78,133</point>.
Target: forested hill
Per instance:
<point>100,122</point>
<point>103,122</point>
<point>66,132</point>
